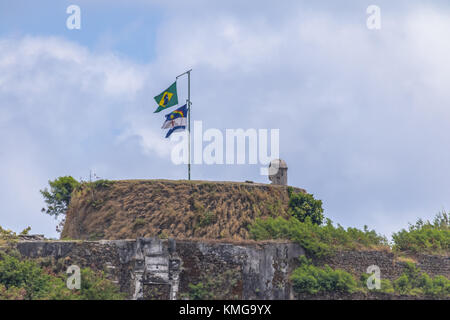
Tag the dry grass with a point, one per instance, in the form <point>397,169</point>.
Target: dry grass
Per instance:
<point>406,259</point>
<point>166,208</point>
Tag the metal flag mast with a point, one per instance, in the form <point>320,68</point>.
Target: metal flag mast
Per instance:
<point>189,119</point>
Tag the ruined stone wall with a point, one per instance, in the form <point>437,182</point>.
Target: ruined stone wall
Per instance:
<point>391,266</point>
<point>150,268</point>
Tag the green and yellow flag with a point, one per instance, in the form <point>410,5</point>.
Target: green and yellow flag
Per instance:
<point>167,98</point>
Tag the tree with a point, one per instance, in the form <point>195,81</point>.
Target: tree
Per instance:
<point>59,195</point>
<point>303,205</point>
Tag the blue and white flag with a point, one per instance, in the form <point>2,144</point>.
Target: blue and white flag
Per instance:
<point>176,121</point>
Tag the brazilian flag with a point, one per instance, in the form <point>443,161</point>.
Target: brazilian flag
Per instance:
<point>167,98</point>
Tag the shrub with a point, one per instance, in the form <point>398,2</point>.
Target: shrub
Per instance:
<point>9,237</point>
<point>207,219</point>
<point>198,291</point>
<point>12,293</point>
<point>319,240</point>
<point>303,205</point>
<point>223,286</point>
<point>304,233</point>
<point>59,195</point>
<point>27,280</point>
<point>415,282</point>
<point>27,276</point>
<point>440,287</point>
<point>429,237</point>
<point>385,285</point>
<point>102,184</point>
<point>95,286</point>
<point>402,284</point>
<point>311,279</point>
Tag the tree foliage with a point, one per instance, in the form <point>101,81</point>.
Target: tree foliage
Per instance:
<point>9,237</point>
<point>319,240</point>
<point>415,282</point>
<point>303,205</point>
<point>199,292</point>
<point>24,279</point>
<point>58,197</point>
<point>425,237</point>
<point>311,279</point>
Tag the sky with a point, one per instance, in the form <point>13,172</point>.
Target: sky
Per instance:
<point>363,114</point>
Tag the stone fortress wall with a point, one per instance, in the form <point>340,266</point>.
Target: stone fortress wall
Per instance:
<point>151,268</point>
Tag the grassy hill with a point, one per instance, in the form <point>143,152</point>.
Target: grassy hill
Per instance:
<point>167,208</point>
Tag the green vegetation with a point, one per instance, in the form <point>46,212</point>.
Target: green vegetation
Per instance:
<point>306,227</point>
<point>303,205</point>
<point>100,184</point>
<point>385,285</point>
<point>23,279</point>
<point>321,239</point>
<point>318,240</point>
<point>59,195</point>
<point>207,219</point>
<point>9,237</point>
<point>199,292</point>
<point>415,282</point>
<point>425,237</point>
<point>275,207</point>
<point>61,191</point>
<point>220,287</point>
<point>311,279</point>
<point>95,286</point>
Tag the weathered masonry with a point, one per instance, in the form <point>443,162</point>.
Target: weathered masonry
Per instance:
<point>150,268</point>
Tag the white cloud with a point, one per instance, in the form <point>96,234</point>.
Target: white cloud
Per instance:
<point>369,109</point>
<point>63,111</point>
<point>363,114</point>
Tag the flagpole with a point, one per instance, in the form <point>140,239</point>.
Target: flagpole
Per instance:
<point>189,119</point>
<point>189,124</point>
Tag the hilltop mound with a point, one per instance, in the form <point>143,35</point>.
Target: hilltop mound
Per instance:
<point>167,208</point>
